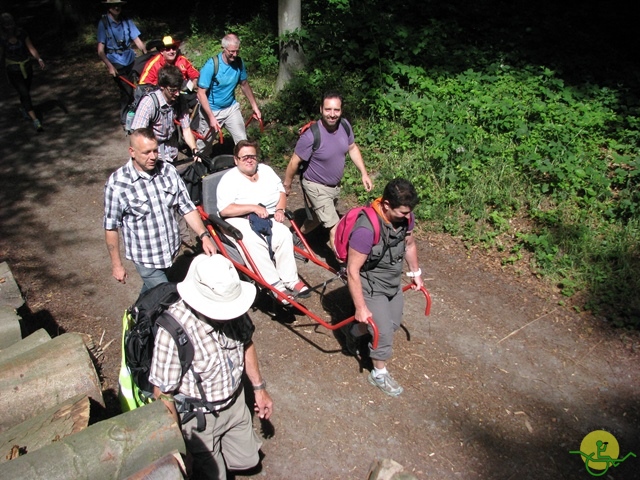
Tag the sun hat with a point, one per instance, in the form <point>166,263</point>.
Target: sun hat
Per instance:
<point>213,288</point>
<point>168,41</point>
<point>113,2</point>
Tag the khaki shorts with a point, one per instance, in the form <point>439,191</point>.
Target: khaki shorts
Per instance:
<point>323,200</point>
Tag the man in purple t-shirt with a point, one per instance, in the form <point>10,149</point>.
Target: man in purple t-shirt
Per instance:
<point>325,166</point>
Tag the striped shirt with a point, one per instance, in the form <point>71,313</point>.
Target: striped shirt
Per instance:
<point>144,206</point>
<point>164,128</point>
<point>218,358</point>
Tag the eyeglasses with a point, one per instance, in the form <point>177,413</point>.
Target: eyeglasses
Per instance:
<point>171,47</point>
<point>246,158</point>
<point>233,52</point>
<point>173,90</point>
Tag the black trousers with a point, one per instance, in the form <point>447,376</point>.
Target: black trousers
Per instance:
<point>22,85</point>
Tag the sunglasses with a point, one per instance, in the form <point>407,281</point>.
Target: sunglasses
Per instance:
<point>248,158</point>
<point>172,47</point>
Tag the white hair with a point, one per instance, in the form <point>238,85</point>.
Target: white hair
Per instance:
<point>230,39</point>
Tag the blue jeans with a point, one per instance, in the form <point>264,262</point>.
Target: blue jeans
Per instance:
<point>151,276</point>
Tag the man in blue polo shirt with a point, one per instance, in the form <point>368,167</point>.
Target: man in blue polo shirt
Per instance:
<point>115,36</point>
<point>216,91</point>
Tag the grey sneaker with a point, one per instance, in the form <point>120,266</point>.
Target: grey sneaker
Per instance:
<point>386,383</point>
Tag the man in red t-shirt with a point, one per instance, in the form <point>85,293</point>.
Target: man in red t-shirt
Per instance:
<point>169,55</point>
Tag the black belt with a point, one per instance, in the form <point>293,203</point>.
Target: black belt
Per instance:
<point>200,415</point>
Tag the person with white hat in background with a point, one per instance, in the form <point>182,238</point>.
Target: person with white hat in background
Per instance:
<point>213,312</point>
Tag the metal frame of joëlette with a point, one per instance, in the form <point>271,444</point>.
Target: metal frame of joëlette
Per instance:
<point>252,272</point>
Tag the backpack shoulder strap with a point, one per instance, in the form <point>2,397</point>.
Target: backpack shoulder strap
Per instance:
<point>180,337</point>
<point>375,222</point>
<point>125,25</point>
<point>345,125</point>
<point>156,107</point>
<point>315,130</point>
<point>105,24</point>
<point>216,66</point>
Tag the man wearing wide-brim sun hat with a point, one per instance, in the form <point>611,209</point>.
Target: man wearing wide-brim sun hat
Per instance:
<point>169,55</point>
<point>213,312</point>
<point>116,37</point>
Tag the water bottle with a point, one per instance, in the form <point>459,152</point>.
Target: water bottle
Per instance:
<point>130,116</point>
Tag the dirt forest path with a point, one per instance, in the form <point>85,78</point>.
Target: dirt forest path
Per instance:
<point>500,381</point>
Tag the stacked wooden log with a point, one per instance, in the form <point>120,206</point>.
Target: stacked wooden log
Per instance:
<point>46,389</point>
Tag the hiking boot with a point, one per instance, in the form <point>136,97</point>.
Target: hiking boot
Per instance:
<point>37,125</point>
<point>386,383</point>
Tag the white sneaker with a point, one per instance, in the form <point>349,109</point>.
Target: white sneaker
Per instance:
<point>386,383</point>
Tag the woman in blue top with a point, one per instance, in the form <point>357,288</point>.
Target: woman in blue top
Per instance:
<point>17,49</point>
<point>115,37</point>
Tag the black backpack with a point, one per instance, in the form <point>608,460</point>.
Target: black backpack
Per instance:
<point>147,314</point>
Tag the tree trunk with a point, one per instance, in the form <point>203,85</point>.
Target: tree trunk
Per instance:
<point>115,448</point>
<point>291,54</point>
<point>10,294</point>
<point>10,329</point>
<point>58,422</point>
<point>36,338</point>
<point>45,376</point>
<point>169,467</point>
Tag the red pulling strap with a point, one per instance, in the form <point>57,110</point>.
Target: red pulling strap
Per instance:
<point>253,117</point>
<point>125,80</point>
